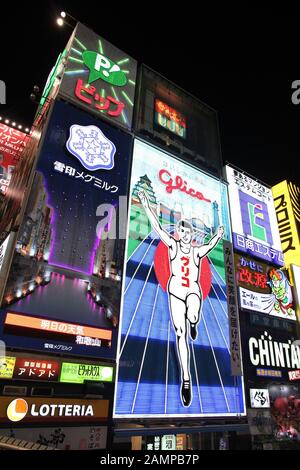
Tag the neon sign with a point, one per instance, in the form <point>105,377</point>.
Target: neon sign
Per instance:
<point>179,183</point>
<point>100,78</point>
<point>254,224</point>
<point>174,295</point>
<point>170,119</point>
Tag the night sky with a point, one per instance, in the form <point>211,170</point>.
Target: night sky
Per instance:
<point>242,63</point>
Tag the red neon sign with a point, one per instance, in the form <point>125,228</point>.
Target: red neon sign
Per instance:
<point>91,97</point>
<point>36,369</point>
<point>180,184</point>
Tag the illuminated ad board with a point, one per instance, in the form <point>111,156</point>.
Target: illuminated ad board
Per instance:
<point>287,206</point>
<point>7,367</point>
<point>63,289</point>
<point>263,288</point>
<point>37,410</point>
<point>79,373</point>
<point>12,143</point>
<point>100,78</point>
<point>269,354</point>
<point>253,218</point>
<point>169,119</point>
<point>62,438</point>
<point>296,288</point>
<point>174,344</point>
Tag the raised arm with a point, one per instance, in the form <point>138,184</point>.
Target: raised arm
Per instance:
<point>205,249</point>
<point>156,225</point>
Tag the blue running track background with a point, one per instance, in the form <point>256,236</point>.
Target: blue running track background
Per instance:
<point>149,375</point>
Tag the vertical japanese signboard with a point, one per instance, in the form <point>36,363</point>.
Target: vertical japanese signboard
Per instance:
<point>100,78</point>
<point>174,345</point>
<point>63,288</point>
<point>253,218</point>
<point>12,143</point>
<point>287,206</point>
<point>233,313</point>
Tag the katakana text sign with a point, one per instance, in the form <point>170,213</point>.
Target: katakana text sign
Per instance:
<point>100,78</point>
<point>12,143</point>
<point>254,225</point>
<point>175,340</point>
<point>63,290</point>
<point>36,369</point>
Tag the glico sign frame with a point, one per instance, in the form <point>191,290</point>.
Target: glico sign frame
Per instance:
<point>174,295</point>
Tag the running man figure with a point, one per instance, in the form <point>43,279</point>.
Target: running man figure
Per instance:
<point>185,296</point>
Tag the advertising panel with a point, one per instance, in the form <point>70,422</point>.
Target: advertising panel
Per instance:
<point>63,289</point>
<point>44,410</point>
<point>254,224</point>
<point>259,398</point>
<point>36,369</point>
<point>63,438</point>
<point>169,119</point>
<point>287,206</point>
<point>12,143</point>
<point>7,366</point>
<point>174,345</point>
<point>79,373</point>
<point>263,288</point>
<point>100,78</point>
<point>269,354</point>
<point>296,287</point>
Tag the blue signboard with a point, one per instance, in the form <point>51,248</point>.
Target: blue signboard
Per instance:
<point>174,345</point>
<point>63,290</point>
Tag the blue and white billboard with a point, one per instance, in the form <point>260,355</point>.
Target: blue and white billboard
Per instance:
<point>63,290</point>
<point>174,355</point>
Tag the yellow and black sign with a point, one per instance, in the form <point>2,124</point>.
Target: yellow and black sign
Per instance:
<point>287,206</point>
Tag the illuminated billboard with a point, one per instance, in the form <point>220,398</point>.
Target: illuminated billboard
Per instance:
<point>170,119</point>
<point>269,354</point>
<point>79,373</point>
<point>263,288</point>
<point>254,225</point>
<point>174,345</point>
<point>63,289</point>
<point>100,78</point>
<point>177,121</point>
<point>52,410</point>
<point>287,206</point>
<point>296,286</point>
<point>12,143</point>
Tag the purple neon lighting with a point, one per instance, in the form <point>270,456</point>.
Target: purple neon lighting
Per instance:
<point>93,252</point>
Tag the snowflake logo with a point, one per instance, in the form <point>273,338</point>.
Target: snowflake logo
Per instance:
<point>91,147</point>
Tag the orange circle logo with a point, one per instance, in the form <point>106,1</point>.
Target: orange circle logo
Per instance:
<point>17,410</point>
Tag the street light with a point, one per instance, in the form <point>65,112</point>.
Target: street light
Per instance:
<point>61,20</point>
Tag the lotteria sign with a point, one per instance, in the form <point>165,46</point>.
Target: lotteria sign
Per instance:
<point>100,78</point>
<point>254,224</point>
<point>31,410</point>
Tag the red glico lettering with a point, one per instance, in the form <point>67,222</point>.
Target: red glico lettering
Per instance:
<point>180,184</point>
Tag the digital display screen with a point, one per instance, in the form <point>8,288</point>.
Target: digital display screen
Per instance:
<point>63,289</point>
<point>174,345</point>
